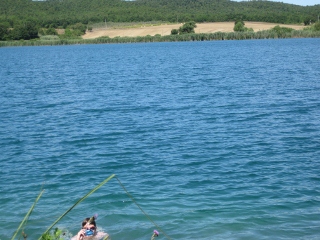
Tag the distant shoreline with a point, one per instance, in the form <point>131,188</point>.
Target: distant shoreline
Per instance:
<point>203,32</point>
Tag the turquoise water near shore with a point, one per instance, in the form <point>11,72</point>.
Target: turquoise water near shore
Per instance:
<point>214,140</point>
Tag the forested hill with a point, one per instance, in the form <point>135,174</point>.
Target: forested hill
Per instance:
<point>56,13</point>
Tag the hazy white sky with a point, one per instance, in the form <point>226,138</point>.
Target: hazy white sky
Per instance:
<point>297,2</point>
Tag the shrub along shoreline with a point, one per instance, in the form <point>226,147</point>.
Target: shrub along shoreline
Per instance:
<point>266,34</point>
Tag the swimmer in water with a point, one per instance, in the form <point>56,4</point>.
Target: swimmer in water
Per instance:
<point>89,230</point>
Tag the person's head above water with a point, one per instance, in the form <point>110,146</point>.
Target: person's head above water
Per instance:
<point>89,229</point>
<point>89,226</point>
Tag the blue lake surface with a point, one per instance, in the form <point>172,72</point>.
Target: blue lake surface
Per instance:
<point>214,140</point>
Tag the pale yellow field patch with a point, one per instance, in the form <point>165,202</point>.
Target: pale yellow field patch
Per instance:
<point>165,29</point>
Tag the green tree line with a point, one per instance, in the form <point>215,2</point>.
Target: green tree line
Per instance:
<point>28,15</point>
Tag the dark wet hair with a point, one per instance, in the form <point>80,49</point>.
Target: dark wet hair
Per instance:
<point>89,220</point>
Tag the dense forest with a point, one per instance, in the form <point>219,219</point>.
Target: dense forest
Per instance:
<point>65,12</point>
<point>22,19</point>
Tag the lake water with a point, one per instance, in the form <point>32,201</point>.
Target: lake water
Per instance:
<point>213,140</point>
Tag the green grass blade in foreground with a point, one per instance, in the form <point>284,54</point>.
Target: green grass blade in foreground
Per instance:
<point>79,201</point>
<point>24,221</point>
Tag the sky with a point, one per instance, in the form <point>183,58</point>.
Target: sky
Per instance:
<point>297,2</point>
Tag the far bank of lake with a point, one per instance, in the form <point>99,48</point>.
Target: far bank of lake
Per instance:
<point>265,34</point>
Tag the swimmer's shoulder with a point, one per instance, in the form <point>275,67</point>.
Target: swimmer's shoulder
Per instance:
<point>102,236</point>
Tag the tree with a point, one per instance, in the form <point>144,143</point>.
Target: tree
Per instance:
<point>239,27</point>
<point>317,26</point>
<point>79,27</point>
<point>282,31</point>
<point>307,22</point>
<point>174,31</point>
<point>187,28</point>
<point>24,31</point>
<point>51,31</point>
<point>3,31</point>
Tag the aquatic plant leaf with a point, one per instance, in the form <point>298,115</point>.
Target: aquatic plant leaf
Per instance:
<point>24,221</point>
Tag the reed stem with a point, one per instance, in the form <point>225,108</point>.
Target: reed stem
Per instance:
<point>24,221</point>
